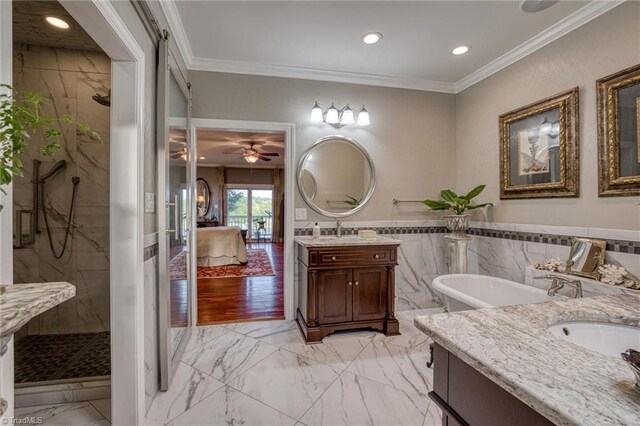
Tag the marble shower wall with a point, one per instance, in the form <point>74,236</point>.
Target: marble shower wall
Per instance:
<point>68,79</point>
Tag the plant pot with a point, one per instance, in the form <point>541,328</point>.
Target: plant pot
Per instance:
<point>457,222</point>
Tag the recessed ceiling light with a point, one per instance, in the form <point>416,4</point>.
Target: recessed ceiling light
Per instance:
<point>371,38</point>
<point>57,22</point>
<point>461,50</point>
<point>202,158</point>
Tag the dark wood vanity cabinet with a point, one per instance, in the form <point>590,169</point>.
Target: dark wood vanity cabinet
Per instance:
<point>343,288</point>
<point>467,397</point>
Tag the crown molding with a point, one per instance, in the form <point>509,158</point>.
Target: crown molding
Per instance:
<point>176,29</point>
<point>554,32</point>
<point>238,67</point>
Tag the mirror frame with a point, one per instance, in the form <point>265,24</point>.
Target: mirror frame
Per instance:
<point>372,184</point>
<point>206,186</point>
<point>610,183</point>
<point>601,258</point>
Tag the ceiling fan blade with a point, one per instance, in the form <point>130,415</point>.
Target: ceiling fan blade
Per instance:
<point>265,158</point>
<point>235,151</point>
<point>270,154</point>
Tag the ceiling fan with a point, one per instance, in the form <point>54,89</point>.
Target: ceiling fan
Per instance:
<point>250,153</point>
<point>177,148</point>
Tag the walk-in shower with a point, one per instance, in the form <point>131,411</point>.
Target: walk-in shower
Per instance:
<point>61,211</point>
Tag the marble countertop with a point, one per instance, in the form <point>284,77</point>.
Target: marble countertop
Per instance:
<point>349,240</point>
<point>21,302</point>
<point>564,382</point>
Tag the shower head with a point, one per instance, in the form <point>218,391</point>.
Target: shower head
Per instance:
<point>55,169</point>
<point>103,99</point>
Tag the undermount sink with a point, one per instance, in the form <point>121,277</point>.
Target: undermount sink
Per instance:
<point>603,337</point>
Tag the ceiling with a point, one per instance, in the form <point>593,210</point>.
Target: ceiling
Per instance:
<point>29,27</point>
<point>322,40</point>
<point>211,144</point>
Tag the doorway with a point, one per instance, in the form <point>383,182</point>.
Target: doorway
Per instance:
<point>244,173</point>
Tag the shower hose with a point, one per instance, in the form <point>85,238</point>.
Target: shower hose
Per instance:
<point>75,180</point>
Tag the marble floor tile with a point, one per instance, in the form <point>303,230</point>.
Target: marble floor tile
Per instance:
<point>355,400</point>
<point>337,352</point>
<point>225,356</point>
<point>394,365</point>
<point>72,414</point>
<point>103,406</point>
<point>434,415</point>
<point>202,335</point>
<point>410,337</point>
<point>273,332</point>
<point>230,407</point>
<point>288,382</point>
<point>188,387</point>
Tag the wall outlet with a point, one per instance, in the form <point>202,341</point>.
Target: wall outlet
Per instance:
<point>301,214</point>
<point>149,202</point>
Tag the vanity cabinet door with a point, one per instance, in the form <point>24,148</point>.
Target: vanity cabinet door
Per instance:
<point>369,293</point>
<point>335,296</point>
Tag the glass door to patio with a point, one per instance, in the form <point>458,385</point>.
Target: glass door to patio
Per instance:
<point>251,209</point>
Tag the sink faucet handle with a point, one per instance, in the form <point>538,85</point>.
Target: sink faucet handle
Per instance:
<point>632,358</point>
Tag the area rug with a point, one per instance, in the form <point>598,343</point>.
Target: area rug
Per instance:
<point>258,264</point>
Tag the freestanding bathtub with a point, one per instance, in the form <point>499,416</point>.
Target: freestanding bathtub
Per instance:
<point>468,291</point>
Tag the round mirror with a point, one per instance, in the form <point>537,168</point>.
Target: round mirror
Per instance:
<point>336,176</point>
<point>203,194</point>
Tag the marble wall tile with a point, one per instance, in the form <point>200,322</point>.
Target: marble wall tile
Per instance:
<point>409,263</point>
<point>630,261</point>
<point>526,254</point>
<point>93,62</point>
<point>91,113</point>
<point>92,289</point>
<point>93,170</point>
<point>92,245</point>
<point>52,58</point>
<point>58,84</point>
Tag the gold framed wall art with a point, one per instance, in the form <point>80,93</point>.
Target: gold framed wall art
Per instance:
<point>619,133</point>
<point>539,149</point>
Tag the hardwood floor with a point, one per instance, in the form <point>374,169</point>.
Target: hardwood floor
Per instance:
<point>222,300</point>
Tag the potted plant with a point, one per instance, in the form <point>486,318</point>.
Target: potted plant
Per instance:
<point>458,204</point>
<point>21,114</point>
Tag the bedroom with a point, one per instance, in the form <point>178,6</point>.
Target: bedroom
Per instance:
<point>240,222</point>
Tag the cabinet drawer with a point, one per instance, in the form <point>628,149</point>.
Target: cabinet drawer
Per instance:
<point>352,257</point>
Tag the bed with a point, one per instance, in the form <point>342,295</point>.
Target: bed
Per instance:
<point>220,245</point>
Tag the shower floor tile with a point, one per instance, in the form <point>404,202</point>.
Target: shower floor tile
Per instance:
<point>40,358</point>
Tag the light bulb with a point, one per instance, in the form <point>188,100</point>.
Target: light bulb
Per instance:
<point>545,127</point>
<point>460,50</point>
<point>363,117</point>
<point>250,158</point>
<point>347,116</point>
<point>332,115</point>
<point>316,113</point>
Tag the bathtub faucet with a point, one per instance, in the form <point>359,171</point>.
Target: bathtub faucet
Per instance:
<point>559,281</point>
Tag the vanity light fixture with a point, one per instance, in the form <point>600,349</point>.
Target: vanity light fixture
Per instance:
<point>461,50</point>
<point>57,22</point>
<point>371,38</point>
<point>338,117</point>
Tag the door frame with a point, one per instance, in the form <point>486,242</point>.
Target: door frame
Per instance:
<point>289,194</point>
<point>103,23</point>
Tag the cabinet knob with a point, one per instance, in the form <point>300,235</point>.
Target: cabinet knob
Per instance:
<point>333,258</point>
<point>349,283</point>
<point>357,283</point>
<point>376,256</point>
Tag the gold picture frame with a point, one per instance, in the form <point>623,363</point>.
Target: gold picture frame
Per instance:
<point>618,172</point>
<point>585,257</point>
<point>539,149</point>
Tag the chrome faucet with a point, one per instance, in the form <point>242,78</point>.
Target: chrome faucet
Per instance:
<point>632,358</point>
<point>338,229</point>
<point>559,281</point>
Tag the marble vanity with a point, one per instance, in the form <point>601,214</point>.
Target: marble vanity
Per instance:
<point>514,366</point>
<point>346,283</point>
<point>21,302</point>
